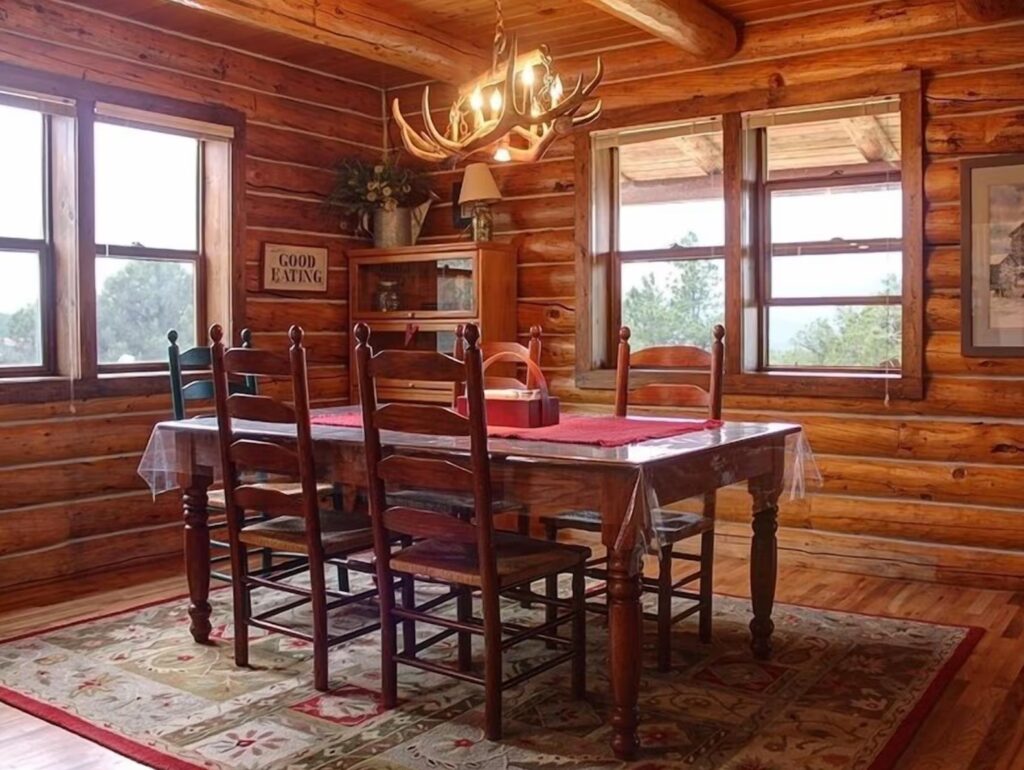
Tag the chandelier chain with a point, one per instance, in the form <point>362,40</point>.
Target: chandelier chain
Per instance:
<point>500,37</point>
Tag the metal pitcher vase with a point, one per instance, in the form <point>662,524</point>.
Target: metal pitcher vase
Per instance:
<point>398,227</point>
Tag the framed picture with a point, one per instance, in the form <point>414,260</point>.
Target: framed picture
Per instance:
<point>992,250</point>
<point>294,268</point>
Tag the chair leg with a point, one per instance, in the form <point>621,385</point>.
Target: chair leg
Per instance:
<point>464,609</point>
<point>665,609</point>
<point>492,666</point>
<point>318,585</point>
<point>579,635</point>
<point>388,638</point>
<point>409,626</point>
<point>343,583</point>
<point>266,559</point>
<point>550,583</point>
<point>707,575</point>
<point>240,602</point>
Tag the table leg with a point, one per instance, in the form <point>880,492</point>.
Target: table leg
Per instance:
<point>624,620</point>
<point>764,562</point>
<point>197,557</point>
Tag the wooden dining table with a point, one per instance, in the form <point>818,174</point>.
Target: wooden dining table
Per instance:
<point>625,484</point>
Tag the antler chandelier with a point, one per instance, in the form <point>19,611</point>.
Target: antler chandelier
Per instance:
<point>517,109</point>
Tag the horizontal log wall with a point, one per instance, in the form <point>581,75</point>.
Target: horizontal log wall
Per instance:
<point>930,489</point>
<point>70,499</point>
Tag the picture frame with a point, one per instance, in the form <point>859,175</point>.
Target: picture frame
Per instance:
<point>992,256</point>
<point>293,269</point>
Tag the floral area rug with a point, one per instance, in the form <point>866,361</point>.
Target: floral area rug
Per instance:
<point>842,692</point>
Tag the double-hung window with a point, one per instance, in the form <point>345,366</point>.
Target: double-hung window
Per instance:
<point>117,224</point>
<point>831,254</point>
<point>668,231</point>
<point>26,255</point>
<point>800,228</point>
<point>149,263</point>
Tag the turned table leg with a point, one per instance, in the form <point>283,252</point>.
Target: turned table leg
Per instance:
<point>197,557</point>
<point>765,491</point>
<point>624,651</point>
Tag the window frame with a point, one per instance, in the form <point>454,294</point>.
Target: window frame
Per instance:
<point>198,257</point>
<point>44,248</point>
<point>74,371</point>
<point>767,251</point>
<point>744,290</point>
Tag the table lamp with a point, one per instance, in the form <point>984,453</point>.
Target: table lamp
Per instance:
<point>480,191</point>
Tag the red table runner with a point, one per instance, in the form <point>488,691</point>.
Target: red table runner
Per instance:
<point>573,429</point>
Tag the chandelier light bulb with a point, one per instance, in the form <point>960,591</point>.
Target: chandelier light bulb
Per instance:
<point>556,91</point>
<point>502,154</point>
<point>495,101</point>
<point>527,76</point>
<point>476,101</point>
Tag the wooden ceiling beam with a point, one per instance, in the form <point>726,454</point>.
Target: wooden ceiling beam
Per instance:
<point>870,138</point>
<point>992,10</point>
<point>691,25</point>
<point>360,27</point>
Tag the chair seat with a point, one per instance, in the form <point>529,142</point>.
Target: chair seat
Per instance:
<point>340,532</point>
<point>215,497</point>
<point>519,560</point>
<point>671,526</point>
<point>446,502</point>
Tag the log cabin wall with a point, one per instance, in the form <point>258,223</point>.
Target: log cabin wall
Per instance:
<point>71,501</point>
<point>930,489</point>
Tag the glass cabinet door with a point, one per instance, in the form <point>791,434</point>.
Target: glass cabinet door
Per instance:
<point>416,288</point>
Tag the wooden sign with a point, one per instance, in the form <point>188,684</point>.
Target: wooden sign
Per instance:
<point>294,268</point>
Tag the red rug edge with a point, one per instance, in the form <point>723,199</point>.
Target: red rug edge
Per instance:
<point>904,735</point>
<point>898,742</point>
<point>101,736</point>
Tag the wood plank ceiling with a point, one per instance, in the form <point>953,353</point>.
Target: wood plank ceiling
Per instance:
<point>566,26</point>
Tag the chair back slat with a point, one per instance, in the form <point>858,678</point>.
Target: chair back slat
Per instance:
<point>196,358</point>
<point>265,456</point>
<point>416,522</point>
<point>385,469</point>
<point>671,357</point>
<point>670,394</point>
<point>250,497</point>
<point>427,365</point>
<point>199,390</point>
<point>504,383</point>
<point>242,406</point>
<point>257,363</point>
<point>421,418</point>
<point>425,473</point>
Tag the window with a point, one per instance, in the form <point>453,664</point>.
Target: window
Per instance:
<point>116,225</point>
<point>668,232</point>
<point>24,240</point>
<point>832,253</point>
<point>148,242</point>
<point>799,227</point>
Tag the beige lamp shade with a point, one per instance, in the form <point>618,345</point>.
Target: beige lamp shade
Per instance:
<point>478,185</point>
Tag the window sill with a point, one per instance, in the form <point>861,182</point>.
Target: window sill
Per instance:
<point>37,390</point>
<point>823,385</point>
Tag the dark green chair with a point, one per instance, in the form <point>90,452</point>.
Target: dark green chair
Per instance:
<point>198,360</point>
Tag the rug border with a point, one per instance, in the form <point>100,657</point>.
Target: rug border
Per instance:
<point>106,738</point>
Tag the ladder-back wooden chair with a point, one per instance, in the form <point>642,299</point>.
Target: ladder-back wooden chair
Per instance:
<point>673,526</point>
<point>295,523</point>
<point>464,552</point>
<point>200,389</point>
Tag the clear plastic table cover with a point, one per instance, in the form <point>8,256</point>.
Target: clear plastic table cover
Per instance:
<point>163,466</point>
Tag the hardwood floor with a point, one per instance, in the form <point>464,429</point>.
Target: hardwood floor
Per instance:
<point>976,725</point>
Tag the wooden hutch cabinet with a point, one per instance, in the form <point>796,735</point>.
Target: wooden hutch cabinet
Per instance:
<point>414,297</point>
